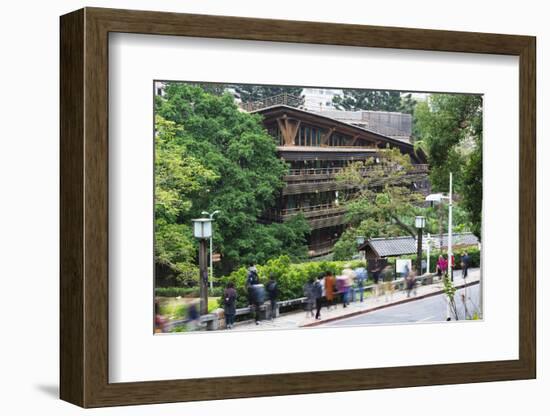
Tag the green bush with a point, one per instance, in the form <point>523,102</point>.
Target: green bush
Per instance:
<point>291,277</point>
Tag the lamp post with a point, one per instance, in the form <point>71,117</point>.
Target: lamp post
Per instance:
<point>438,198</point>
<point>211,216</point>
<point>202,229</point>
<point>428,247</point>
<point>420,223</point>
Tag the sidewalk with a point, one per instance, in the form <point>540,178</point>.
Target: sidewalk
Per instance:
<point>298,319</point>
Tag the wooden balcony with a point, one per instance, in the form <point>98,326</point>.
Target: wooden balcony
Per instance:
<point>318,216</point>
<point>301,181</point>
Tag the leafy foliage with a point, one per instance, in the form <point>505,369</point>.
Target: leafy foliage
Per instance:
<point>290,277</point>
<point>374,100</point>
<point>450,127</point>
<point>385,204</point>
<point>178,177</point>
<point>258,92</point>
<point>240,175</point>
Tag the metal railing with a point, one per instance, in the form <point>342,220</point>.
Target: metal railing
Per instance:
<point>420,168</point>
<point>313,208</point>
<point>281,99</point>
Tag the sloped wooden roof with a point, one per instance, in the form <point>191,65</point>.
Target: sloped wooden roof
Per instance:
<point>273,112</point>
<point>398,246</point>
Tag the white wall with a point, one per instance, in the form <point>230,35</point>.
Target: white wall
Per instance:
<point>29,208</point>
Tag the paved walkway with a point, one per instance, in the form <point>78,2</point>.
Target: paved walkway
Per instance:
<point>298,319</point>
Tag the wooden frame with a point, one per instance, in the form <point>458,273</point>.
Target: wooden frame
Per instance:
<point>84,207</point>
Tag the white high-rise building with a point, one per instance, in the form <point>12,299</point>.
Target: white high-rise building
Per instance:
<point>319,99</point>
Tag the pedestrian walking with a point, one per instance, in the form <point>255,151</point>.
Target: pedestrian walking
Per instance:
<point>160,321</point>
<point>330,281</point>
<point>318,293</point>
<point>229,304</point>
<point>272,294</point>
<point>310,297</point>
<point>376,269</point>
<point>193,315</point>
<point>452,267</point>
<point>349,277</point>
<point>255,292</point>
<point>361,277</point>
<point>387,276</point>
<point>410,281</point>
<point>441,266</point>
<point>465,262</point>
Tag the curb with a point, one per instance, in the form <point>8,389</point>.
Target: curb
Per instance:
<point>375,308</point>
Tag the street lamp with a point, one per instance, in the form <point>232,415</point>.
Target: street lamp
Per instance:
<point>202,229</point>
<point>420,223</point>
<point>211,216</point>
<point>438,198</point>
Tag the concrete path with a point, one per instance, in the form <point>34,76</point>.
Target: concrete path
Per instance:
<point>298,319</point>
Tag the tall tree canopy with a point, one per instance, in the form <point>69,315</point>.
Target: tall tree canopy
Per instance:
<point>385,204</point>
<point>451,130</point>
<point>258,92</point>
<point>375,100</point>
<point>178,179</point>
<point>244,175</point>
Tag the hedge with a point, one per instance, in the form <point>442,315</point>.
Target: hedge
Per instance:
<point>291,277</point>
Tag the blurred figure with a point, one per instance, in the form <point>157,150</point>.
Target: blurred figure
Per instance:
<point>441,266</point>
<point>376,278</point>
<point>193,315</point>
<point>341,288</point>
<point>272,294</point>
<point>329,288</point>
<point>318,294</point>
<point>361,277</point>
<point>387,276</point>
<point>310,297</point>
<point>160,321</point>
<point>229,304</point>
<point>452,267</point>
<point>465,264</point>
<point>349,276</point>
<point>255,292</point>
<point>410,282</point>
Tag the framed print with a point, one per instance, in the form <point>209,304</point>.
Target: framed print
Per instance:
<point>291,207</point>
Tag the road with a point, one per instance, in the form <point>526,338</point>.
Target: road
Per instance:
<point>430,309</point>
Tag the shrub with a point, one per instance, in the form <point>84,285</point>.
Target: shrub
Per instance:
<point>290,277</point>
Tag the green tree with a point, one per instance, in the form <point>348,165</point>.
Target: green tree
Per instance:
<point>247,174</point>
<point>374,100</point>
<point>249,93</point>
<point>407,104</point>
<point>178,177</point>
<point>385,204</point>
<point>450,128</point>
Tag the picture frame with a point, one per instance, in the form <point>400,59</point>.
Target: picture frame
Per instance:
<point>84,218</point>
